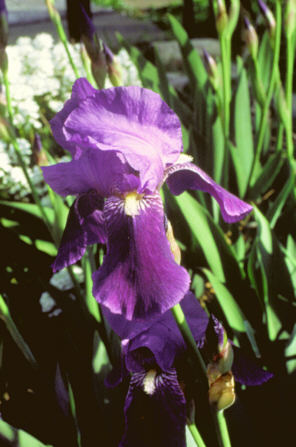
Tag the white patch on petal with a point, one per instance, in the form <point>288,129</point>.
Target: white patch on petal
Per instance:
<point>183,158</point>
<point>132,203</point>
<point>149,382</point>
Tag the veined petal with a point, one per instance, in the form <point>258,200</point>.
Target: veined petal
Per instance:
<point>103,171</point>
<point>132,120</point>
<point>155,411</point>
<point>181,177</point>
<point>81,90</point>
<point>164,339</point>
<point>85,226</point>
<point>159,338</point>
<point>135,279</point>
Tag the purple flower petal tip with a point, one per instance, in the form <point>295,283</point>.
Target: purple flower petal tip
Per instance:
<point>248,371</point>
<point>183,176</point>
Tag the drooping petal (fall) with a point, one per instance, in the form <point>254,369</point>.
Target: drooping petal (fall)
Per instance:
<point>183,176</point>
<point>85,226</point>
<point>155,411</point>
<point>164,339</point>
<point>247,370</point>
<point>139,277</point>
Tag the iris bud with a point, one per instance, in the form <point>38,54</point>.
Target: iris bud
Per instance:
<point>220,378</point>
<point>221,15</point>
<point>5,130</point>
<point>251,38</point>
<point>54,15</point>
<point>173,244</point>
<point>94,49</point>
<point>212,69</point>
<point>39,155</point>
<point>113,67</point>
<point>269,17</point>
<point>221,391</point>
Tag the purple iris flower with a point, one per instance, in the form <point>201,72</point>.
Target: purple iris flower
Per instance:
<point>155,405</point>
<point>125,142</point>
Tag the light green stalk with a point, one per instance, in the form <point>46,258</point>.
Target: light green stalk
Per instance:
<point>196,435</point>
<point>221,429</point>
<point>19,152</point>
<point>220,422</point>
<point>290,31</point>
<point>56,19</point>
<point>187,335</point>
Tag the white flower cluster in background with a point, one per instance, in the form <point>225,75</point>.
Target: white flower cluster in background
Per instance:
<point>39,68</point>
<point>12,177</point>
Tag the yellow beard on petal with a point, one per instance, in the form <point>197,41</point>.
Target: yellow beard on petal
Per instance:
<point>132,203</point>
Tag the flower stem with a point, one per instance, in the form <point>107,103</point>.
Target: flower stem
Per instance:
<point>87,66</point>
<point>290,57</point>
<point>91,304</point>
<point>187,335</point>
<point>14,332</point>
<point>219,419</point>
<point>196,435</point>
<point>221,429</point>
<point>19,153</point>
<point>56,19</point>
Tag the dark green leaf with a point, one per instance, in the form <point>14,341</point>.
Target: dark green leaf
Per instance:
<point>18,438</point>
<point>229,306</point>
<point>30,208</point>
<point>192,61</point>
<point>269,173</point>
<point>209,236</point>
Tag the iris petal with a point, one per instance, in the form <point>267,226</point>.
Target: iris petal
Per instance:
<point>82,89</point>
<point>85,226</point>
<point>156,417</point>
<point>106,172</point>
<point>247,370</point>
<point>135,279</point>
<point>181,177</point>
<point>132,120</point>
<point>164,339</point>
